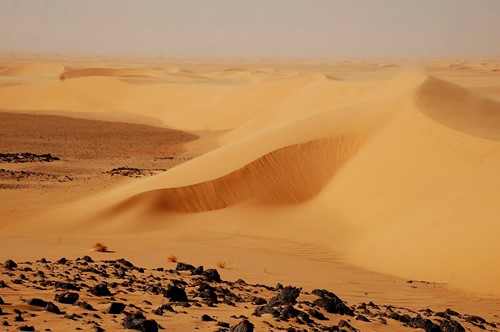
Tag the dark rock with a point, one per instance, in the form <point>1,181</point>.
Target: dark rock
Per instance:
<point>362,318</point>
<point>184,267</point>
<point>288,312</point>
<point>175,294</point>
<point>26,328</point>
<point>265,309</point>
<point>88,259</point>
<point>84,305</point>
<point>423,323</point>
<point>451,326</point>
<point>10,264</point>
<point>212,275</point>
<point>346,326</point>
<point>223,324</point>
<point>137,321</point>
<point>51,307</point>
<point>207,292</point>
<point>37,302</point>
<point>198,271</point>
<point>62,261</point>
<point>451,312</point>
<point>100,290</point>
<point>67,298</point>
<point>116,308</point>
<point>287,296</point>
<point>331,303</point>
<point>1,301</point>
<point>258,301</point>
<point>316,314</point>
<point>97,328</point>
<point>243,326</point>
<point>207,318</point>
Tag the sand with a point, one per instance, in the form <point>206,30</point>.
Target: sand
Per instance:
<point>352,176</point>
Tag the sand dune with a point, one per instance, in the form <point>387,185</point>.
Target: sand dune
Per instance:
<point>398,175</point>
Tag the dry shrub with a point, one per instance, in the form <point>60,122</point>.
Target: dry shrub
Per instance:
<point>100,247</point>
<point>172,258</point>
<point>221,264</point>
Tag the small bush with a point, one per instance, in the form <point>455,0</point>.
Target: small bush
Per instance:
<point>100,247</point>
<point>221,265</point>
<point>172,258</point>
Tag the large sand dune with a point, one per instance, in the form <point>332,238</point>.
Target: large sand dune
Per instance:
<point>399,175</point>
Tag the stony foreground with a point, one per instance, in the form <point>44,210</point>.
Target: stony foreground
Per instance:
<point>110,295</point>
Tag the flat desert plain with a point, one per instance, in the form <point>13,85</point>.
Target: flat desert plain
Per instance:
<point>370,187</point>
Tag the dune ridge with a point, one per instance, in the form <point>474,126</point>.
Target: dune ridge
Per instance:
<point>289,175</point>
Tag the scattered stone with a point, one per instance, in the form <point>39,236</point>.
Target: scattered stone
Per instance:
<point>10,264</point>
<point>137,321</point>
<point>116,308</point>
<point>243,326</point>
<point>37,302</point>
<point>100,290</point>
<point>287,296</point>
<point>184,267</point>
<point>212,275</point>
<point>331,303</point>
<point>451,326</point>
<point>67,298</point>
<point>207,318</point>
<point>26,328</point>
<point>175,294</point>
<point>51,307</point>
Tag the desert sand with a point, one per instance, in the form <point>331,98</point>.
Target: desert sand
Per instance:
<point>376,180</point>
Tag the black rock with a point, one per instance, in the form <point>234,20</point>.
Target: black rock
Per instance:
<point>88,259</point>
<point>223,324</point>
<point>198,271</point>
<point>67,298</point>
<point>207,318</point>
<point>84,305</point>
<point>97,328</point>
<point>1,301</point>
<point>51,307</point>
<point>37,302</point>
<point>258,300</point>
<point>331,303</point>
<point>100,290</point>
<point>316,314</point>
<point>184,267</point>
<point>62,261</point>
<point>212,275</point>
<point>265,309</point>
<point>288,295</point>
<point>423,323</point>
<point>26,328</point>
<point>10,264</point>
<point>451,326</point>
<point>116,308</point>
<point>243,326</point>
<point>3,284</point>
<point>137,321</point>
<point>175,294</point>
<point>362,318</point>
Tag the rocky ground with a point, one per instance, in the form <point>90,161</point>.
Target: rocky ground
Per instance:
<point>110,295</point>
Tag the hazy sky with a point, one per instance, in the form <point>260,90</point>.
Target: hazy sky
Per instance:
<point>324,28</point>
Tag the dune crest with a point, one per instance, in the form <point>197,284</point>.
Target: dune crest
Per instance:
<point>289,175</point>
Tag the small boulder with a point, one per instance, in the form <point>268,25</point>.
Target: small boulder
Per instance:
<point>175,294</point>
<point>100,290</point>
<point>207,318</point>
<point>288,296</point>
<point>184,267</point>
<point>212,275</point>
<point>137,321</point>
<point>51,307</point>
<point>67,298</point>
<point>10,264</point>
<point>243,326</point>
<point>37,302</point>
<point>116,308</point>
